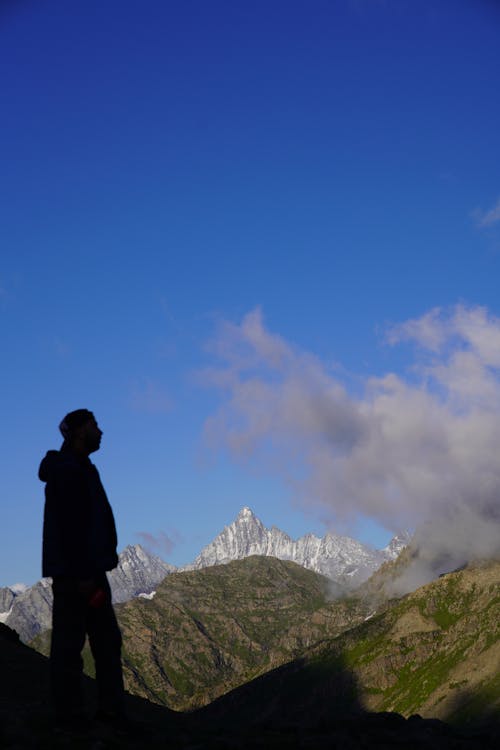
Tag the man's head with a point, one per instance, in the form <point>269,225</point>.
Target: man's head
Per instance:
<point>81,431</point>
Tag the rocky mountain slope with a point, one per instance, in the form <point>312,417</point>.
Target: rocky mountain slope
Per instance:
<point>30,611</point>
<point>344,560</point>
<point>138,572</point>
<point>210,630</point>
<point>7,596</point>
<point>436,652</point>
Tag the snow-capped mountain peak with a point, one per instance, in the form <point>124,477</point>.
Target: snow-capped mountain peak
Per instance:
<point>138,572</point>
<point>246,513</point>
<point>396,545</point>
<point>18,588</point>
<point>340,558</point>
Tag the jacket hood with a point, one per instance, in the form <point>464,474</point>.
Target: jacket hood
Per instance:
<point>52,459</point>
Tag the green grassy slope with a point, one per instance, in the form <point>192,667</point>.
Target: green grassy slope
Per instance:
<point>436,652</point>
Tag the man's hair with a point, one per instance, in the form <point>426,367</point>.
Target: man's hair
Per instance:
<point>73,421</point>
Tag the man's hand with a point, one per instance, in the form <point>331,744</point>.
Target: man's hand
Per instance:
<point>87,587</point>
<point>93,592</point>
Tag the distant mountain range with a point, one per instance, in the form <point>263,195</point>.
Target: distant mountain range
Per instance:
<point>345,561</point>
<point>29,610</point>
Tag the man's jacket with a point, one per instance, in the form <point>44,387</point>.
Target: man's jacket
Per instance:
<point>79,533</point>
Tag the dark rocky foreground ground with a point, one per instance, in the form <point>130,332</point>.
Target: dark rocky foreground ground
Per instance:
<point>283,709</point>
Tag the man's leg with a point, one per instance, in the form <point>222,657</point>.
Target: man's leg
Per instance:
<point>68,638</point>
<point>105,642</point>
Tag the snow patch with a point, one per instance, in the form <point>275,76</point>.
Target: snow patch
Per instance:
<point>18,588</point>
<point>4,615</point>
<point>147,596</point>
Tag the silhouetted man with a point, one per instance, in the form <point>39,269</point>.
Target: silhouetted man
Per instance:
<point>79,546</point>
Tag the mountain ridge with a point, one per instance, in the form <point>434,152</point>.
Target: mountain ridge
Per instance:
<point>346,561</point>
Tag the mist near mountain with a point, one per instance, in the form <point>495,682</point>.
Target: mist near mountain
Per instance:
<point>416,450</point>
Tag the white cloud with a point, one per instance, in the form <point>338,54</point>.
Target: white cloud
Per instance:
<point>406,453</point>
<point>429,331</point>
<point>488,218</point>
<point>150,397</point>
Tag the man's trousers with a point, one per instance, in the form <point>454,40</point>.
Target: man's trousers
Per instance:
<point>73,617</point>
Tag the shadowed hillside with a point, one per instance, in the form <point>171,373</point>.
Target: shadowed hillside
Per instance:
<point>25,719</point>
<point>299,705</point>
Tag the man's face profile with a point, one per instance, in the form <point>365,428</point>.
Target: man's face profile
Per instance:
<point>90,435</point>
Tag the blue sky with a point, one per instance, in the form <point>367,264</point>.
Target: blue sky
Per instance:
<point>170,167</point>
